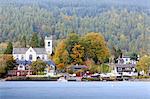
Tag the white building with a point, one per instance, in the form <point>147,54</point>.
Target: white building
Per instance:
<point>25,56</point>
<point>126,66</point>
<point>126,60</point>
<point>32,54</point>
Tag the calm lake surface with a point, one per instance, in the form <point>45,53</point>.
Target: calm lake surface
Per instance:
<point>75,90</point>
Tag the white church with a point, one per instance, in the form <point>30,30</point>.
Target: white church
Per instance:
<point>32,54</point>
<point>25,56</point>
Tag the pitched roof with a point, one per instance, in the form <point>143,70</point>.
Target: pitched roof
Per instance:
<point>20,50</point>
<point>24,50</point>
<point>125,65</point>
<point>40,50</point>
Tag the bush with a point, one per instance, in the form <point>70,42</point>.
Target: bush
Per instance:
<point>142,77</point>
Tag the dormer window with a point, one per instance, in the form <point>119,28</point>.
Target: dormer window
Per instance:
<point>49,44</point>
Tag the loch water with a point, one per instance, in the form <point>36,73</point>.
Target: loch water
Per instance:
<point>74,90</point>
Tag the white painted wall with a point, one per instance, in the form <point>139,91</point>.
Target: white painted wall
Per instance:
<point>19,56</point>
<point>21,67</point>
<point>42,55</point>
<point>48,48</point>
<point>31,51</point>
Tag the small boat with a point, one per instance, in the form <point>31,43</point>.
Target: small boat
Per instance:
<point>62,79</point>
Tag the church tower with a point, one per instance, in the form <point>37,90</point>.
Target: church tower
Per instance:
<point>48,44</point>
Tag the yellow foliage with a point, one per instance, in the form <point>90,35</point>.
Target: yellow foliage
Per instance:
<point>144,64</point>
<point>61,55</point>
<point>77,54</point>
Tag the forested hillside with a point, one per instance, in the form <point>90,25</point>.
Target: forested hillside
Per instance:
<point>124,23</point>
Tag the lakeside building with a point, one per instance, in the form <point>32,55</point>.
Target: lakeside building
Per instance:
<point>25,56</point>
<point>126,66</point>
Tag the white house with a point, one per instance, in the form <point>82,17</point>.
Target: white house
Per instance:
<point>126,66</point>
<point>32,54</point>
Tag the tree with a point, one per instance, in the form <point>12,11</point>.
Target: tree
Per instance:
<point>144,64</point>
<point>61,55</point>
<point>116,53</point>
<point>9,48</point>
<point>6,63</point>
<point>77,54</point>
<point>42,41</point>
<point>134,56</point>
<point>38,66</point>
<point>95,47</point>
<point>34,40</point>
<point>24,41</point>
<point>71,41</point>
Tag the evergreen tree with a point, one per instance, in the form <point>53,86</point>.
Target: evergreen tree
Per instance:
<point>42,41</point>
<point>134,56</point>
<point>34,40</point>
<point>24,41</point>
<point>9,48</point>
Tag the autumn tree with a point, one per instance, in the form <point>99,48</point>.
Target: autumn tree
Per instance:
<point>61,55</point>
<point>144,64</point>
<point>77,54</point>
<point>6,63</point>
<point>95,47</point>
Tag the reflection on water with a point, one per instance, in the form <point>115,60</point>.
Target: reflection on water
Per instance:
<point>75,90</point>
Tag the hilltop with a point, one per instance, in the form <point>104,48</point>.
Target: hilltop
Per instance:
<point>124,24</point>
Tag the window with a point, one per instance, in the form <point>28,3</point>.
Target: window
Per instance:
<point>17,56</point>
<point>22,57</point>
<point>21,66</point>
<point>119,69</point>
<point>38,57</point>
<point>43,57</point>
<point>30,57</point>
<point>49,44</point>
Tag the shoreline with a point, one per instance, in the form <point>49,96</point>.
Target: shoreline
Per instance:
<point>136,80</point>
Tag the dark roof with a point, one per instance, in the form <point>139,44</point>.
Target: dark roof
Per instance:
<point>79,66</point>
<point>50,63</point>
<point>125,56</point>
<point>24,50</point>
<point>23,62</point>
<point>125,65</point>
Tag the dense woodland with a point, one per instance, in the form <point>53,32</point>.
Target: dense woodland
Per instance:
<point>124,24</point>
